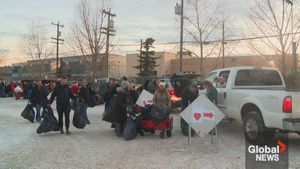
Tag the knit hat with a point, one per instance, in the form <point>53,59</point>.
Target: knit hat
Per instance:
<point>162,84</point>
<point>124,84</point>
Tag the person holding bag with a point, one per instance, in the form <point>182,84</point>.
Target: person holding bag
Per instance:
<point>86,93</point>
<point>63,94</point>
<point>38,98</point>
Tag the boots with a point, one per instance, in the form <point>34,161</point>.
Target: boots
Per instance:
<point>118,130</point>
<point>68,132</point>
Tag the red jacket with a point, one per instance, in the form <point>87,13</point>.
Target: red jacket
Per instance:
<point>74,89</point>
<point>13,86</point>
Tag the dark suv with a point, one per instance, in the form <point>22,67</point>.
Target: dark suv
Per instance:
<point>181,80</point>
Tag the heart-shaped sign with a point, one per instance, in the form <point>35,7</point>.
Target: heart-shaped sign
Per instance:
<point>197,116</point>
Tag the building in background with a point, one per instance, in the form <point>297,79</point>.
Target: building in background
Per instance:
<point>74,67</point>
<point>5,73</point>
<point>211,63</point>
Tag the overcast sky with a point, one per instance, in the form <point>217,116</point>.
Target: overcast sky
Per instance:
<point>135,19</point>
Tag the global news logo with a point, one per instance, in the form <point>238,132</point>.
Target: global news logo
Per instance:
<point>266,153</point>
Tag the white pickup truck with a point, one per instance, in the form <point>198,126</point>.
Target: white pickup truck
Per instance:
<point>259,98</point>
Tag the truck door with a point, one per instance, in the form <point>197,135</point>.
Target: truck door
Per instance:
<point>221,86</point>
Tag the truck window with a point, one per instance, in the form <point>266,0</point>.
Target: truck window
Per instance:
<point>211,77</point>
<point>222,79</point>
<point>258,78</point>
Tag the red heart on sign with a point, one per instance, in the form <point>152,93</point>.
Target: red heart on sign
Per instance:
<point>197,116</point>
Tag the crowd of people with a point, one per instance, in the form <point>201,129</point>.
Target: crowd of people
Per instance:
<point>116,94</point>
<point>21,89</point>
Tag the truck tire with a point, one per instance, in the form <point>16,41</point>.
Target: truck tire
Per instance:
<point>254,129</point>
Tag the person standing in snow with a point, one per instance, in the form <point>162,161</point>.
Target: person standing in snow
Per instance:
<point>86,93</point>
<point>63,94</point>
<point>39,98</point>
<point>18,91</point>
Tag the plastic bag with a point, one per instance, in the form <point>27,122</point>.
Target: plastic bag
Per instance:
<point>79,119</point>
<point>130,129</point>
<point>158,114</point>
<point>28,113</point>
<point>49,123</point>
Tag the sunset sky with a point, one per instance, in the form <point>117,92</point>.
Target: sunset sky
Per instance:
<point>135,19</point>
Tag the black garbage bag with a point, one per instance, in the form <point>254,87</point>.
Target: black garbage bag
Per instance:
<point>145,112</point>
<point>107,114</point>
<point>49,122</point>
<point>132,125</point>
<point>73,104</point>
<point>93,101</point>
<point>28,113</point>
<point>79,119</point>
<point>102,88</point>
<point>130,129</point>
<point>158,114</point>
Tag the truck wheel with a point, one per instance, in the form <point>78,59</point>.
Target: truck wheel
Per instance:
<point>255,131</point>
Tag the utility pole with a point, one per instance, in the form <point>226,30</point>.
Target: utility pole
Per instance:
<point>294,53</point>
<point>179,11</point>
<point>58,42</point>
<point>223,43</point>
<point>141,50</point>
<point>109,31</point>
<point>181,36</point>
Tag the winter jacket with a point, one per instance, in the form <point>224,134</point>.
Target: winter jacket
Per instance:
<point>86,93</point>
<point>75,89</point>
<point>188,97</point>
<point>118,112</point>
<point>18,89</point>
<point>212,94</point>
<point>162,99</point>
<point>39,95</point>
<point>63,95</point>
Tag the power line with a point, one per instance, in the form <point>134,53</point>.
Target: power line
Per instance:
<point>214,41</point>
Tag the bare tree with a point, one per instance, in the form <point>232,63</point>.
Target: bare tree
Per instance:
<point>204,22</point>
<point>35,44</point>
<point>3,53</point>
<point>86,38</point>
<point>1,56</point>
<point>273,20</point>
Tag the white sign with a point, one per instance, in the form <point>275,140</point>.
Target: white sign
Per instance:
<point>145,98</point>
<point>202,115</point>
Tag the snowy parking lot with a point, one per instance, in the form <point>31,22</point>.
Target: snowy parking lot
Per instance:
<point>97,147</point>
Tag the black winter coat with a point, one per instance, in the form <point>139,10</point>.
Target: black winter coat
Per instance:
<point>117,112</point>
<point>39,95</point>
<point>86,93</point>
<point>188,97</point>
<point>63,95</point>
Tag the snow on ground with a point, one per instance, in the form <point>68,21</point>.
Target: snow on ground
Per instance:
<point>96,147</point>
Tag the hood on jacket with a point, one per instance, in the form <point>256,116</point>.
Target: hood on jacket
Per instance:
<point>120,89</point>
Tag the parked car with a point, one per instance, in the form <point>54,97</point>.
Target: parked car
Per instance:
<point>259,98</point>
<point>175,101</point>
<point>181,80</point>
